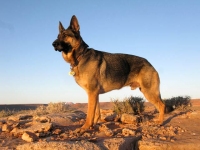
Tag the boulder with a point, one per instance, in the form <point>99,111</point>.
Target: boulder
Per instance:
<point>66,119</point>
<point>6,128</point>
<point>29,137</point>
<point>129,118</point>
<point>39,127</point>
<point>108,114</point>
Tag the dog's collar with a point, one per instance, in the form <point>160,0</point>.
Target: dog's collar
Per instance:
<point>72,72</point>
<point>76,61</point>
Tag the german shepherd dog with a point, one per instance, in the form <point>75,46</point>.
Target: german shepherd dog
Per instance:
<point>98,72</point>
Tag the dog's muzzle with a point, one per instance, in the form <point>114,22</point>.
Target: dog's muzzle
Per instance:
<point>56,45</point>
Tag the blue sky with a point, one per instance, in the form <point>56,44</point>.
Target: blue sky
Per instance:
<point>166,32</point>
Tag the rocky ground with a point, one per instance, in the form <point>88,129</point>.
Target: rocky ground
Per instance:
<point>56,131</point>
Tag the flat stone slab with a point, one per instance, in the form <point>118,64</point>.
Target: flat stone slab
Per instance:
<point>165,145</point>
<point>69,145</point>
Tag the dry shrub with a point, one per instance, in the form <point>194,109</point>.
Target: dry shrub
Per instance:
<point>177,103</point>
<point>57,107</point>
<point>130,105</point>
<point>6,113</point>
<point>52,108</point>
<point>41,110</point>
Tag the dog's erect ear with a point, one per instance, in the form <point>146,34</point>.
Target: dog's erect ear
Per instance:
<point>74,24</point>
<point>61,28</point>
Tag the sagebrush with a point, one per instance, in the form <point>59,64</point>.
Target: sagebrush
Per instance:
<point>179,102</point>
<point>130,105</point>
<point>52,108</point>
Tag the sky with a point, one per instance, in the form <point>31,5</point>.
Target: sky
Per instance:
<point>166,33</point>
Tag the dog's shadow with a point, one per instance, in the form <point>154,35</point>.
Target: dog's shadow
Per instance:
<point>171,117</point>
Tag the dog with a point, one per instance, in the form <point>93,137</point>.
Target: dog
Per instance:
<point>98,72</point>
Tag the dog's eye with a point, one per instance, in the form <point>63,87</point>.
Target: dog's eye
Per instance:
<point>65,35</point>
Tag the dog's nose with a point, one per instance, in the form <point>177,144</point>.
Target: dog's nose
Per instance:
<point>55,43</point>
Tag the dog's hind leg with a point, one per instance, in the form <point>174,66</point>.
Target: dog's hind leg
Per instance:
<point>154,98</point>
<point>150,88</point>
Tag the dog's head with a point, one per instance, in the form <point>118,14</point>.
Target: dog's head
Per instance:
<point>68,39</point>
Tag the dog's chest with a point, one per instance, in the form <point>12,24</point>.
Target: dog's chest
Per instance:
<point>67,57</point>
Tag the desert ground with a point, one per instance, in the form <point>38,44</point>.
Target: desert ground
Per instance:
<point>55,131</point>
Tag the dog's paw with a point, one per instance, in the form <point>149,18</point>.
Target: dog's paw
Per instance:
<point>158,121</point>
<point>79,131</point>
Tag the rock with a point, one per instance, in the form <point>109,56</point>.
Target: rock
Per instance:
<point>166,145</point>
<point>42,119</point>
<point>82,121</point>
<point>129,119</point>
<point>56,131</point>
<point>172,140</point>
<point>20,117</point>
<point>15,131</point>
<point>106,130</point>
<point>43,134</point>
<point>24,123</point>
<point>25,117</point>
<point>148,136</point>
<point>6,128</point>
<point>128,132</point>
<point>29,137</point>
<point>163,138</point>
<point>108,115</point>
<point>40,127</point>
<point>13,118</point>
<point>78,145</point>
<point>66,119</point>
<point>77,115</point>
<point>127,143</point>
<point>60,120</point>
<point>64,135</point>
<point>2,122</point>
<point>86,134</point>
<point>104,144</point>
<point>16,124</point>
<point>10,122</point>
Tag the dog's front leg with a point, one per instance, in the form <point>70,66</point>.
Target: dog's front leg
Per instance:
<point>97,113</point>
<point>93,98</point>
